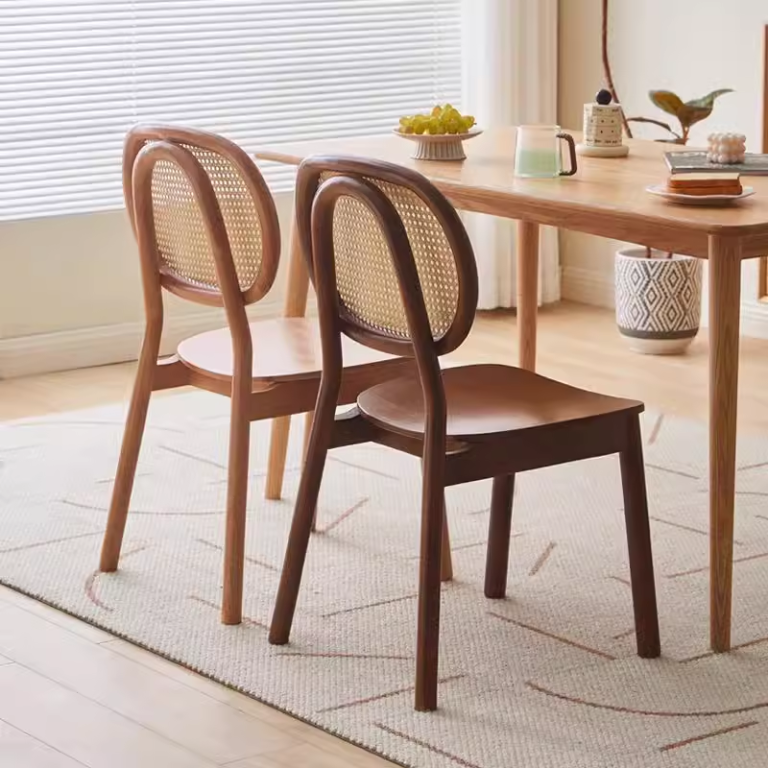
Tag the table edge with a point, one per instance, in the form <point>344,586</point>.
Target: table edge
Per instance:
<point>722,230</point>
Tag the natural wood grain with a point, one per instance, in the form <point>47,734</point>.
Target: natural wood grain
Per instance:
<point>81,728</point>
<point>466,423</point>
<point>207,230</point>
<point>237,494</point>
<point>311,756</point>
<point>18,750</point>
<point>577,343</point>
<point>639,542</point>
<point>604,198</point>
<point>168,708</point>
<point>499,529</point>
<point>527,256</point>
<point>58,618</point>
<point>278,451</point>
<point>724,304</point>
<point>480,405</point>
<point>284,350</point>
<point>446,559</point>
<point>238,701</point>
<point>296,291</point>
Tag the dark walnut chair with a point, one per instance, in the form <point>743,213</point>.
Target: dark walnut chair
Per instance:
<point>207,231</point>
<point>394,270</point>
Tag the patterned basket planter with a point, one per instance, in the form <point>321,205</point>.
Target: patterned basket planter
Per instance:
<point>658,301</point>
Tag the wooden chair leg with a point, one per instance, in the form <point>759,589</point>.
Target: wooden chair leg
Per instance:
<point>301,527</point>
<point>639,540</point>
<point>129,456</point>
<point>278,450</point>
<point>446,559</point>
<point>428,639</point>
<point>296,291</point>
<point>308,419</point>
<point>499,530</point>
<point>237,497</point>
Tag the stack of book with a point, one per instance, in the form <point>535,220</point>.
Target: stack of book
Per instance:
<point>697,162</point>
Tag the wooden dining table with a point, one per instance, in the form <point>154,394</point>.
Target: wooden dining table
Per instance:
<point>607,197</point>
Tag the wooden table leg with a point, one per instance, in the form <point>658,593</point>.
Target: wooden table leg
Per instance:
<point>724,300</point>
<point>527,292</point>
<point>296,291</point>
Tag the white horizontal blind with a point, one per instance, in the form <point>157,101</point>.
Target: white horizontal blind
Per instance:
<point>76,74</point>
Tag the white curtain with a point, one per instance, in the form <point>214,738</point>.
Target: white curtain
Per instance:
<point>510,78</point>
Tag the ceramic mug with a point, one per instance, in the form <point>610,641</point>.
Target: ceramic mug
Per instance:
<point>537,155</point>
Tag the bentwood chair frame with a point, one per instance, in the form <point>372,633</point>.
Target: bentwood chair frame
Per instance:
<point>375,189</point>
<point>207,231</point>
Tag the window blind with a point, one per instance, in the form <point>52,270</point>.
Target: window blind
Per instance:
<point>76,74</point>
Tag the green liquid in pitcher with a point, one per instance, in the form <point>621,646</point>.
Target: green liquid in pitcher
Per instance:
<point>537,163</point>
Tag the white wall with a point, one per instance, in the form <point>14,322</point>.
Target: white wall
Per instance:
<point>70,293</point>
<point>690,47</point>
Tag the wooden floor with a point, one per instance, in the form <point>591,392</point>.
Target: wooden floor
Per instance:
<point>72,695</point>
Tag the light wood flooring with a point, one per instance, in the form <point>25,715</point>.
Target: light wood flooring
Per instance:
<point>72,695</point>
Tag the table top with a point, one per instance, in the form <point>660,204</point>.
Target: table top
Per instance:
<point>606,197</point>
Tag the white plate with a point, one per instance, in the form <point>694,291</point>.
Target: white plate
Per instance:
<point>661,191</point>
<point>439,138</point>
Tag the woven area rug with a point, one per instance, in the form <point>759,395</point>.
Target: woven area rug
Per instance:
<point>546,678</point>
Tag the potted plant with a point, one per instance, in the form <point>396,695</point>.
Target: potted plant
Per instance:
<point>658,295</point>
<point>658,300</point>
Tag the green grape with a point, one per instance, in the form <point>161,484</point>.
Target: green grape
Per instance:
<point>420,124</point>
<point>452,114</point>
<point>452,125</point>
<point>440,120</point>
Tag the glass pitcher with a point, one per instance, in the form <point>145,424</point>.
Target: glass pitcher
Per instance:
<point>537,155</point>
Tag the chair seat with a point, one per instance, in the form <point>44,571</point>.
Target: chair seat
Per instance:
<point>486,400</point>
<point>285,349</point>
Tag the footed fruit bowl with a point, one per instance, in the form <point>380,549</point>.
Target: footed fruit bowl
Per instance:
<point>445,146</point>
<point>438,135</point>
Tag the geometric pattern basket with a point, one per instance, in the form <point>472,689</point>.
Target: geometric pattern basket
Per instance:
<point>658,300</point>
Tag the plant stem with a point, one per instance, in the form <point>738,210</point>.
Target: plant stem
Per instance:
<point>607,69</point>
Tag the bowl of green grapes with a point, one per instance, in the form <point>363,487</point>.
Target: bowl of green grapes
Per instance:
<point>438,135</point>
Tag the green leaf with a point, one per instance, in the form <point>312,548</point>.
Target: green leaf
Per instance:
<point>696,110</point>
<point>667,101</point>
<point>708,100</point>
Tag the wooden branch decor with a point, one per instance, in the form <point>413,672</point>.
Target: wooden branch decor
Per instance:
<point>607,69</point>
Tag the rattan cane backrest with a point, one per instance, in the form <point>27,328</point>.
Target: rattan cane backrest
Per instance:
<point>181,232</point>
<point>369,290</point>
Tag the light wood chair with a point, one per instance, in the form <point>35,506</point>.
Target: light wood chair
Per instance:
<point>394,269</point>
<point>207,231</point>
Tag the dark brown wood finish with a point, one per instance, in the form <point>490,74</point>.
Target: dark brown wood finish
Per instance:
<point>281,378</point>
<point>465,423</point>
<point>499,531</point>
<point>639,542</point>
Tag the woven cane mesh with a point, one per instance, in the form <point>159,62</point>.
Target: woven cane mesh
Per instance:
<point>365,274</point>
<point>182,240</point>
